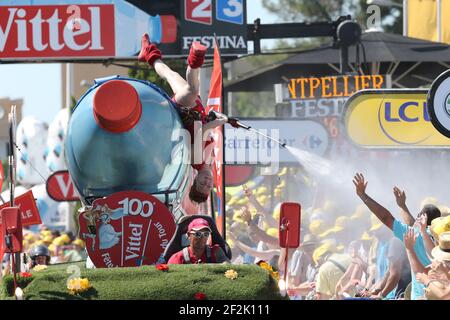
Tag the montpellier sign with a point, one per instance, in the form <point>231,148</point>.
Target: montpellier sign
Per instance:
<point>391,119</point>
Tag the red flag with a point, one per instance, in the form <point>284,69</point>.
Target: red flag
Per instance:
<point>215,102</point>
<point>2,174</point>
<point>1,248</point>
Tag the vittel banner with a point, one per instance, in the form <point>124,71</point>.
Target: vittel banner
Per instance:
<point>126,229</point>
<point>101,29</point>
<point>56,31</point>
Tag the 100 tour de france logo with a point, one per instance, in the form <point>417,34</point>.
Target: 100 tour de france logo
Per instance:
<point>126,229</point>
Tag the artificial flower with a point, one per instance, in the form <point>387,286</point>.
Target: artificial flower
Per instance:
<point>200,296</point>
<point>78,285</point>
<point>25,275</point>
<point>40,267</point>
<point>162,267</point>
<point>231,274</point>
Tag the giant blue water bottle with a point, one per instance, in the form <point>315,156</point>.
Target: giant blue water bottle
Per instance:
<point>124,134</point>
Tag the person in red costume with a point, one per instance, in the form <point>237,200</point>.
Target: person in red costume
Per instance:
<point>189,106</point>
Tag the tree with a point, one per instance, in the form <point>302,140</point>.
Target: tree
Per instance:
<point>326,10</point>
<point>139,71</point>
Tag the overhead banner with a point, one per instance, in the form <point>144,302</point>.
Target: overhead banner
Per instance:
<point>246,147</point>
<point>391,119</point>
<point>101,29</point>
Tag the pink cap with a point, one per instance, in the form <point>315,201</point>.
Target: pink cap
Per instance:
<point>198,224</point>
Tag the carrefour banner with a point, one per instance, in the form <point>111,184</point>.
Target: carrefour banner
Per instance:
<point>101,29</point>
<point>391,119</point>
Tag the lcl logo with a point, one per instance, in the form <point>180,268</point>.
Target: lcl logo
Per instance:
<point>410,111</point>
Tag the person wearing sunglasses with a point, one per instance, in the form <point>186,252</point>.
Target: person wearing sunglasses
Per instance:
<point>199,251</point>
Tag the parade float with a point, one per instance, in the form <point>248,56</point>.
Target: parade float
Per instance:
<point>131,170</point>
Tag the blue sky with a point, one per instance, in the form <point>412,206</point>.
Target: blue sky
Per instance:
<point>39,84</point>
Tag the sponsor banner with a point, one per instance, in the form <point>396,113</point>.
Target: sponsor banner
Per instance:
<point>323,99</point>
<point>56,31</point>
<point>28,208</point>
<point>391,119</point>
<point>439,103</point>
<point>246,147</point>
<point>99,29</point>
<point>60,187</point>
<point>204,18</point>
<point>126,229</point>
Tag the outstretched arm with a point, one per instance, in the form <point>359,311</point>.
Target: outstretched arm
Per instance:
<point>269,219</point>
<point>409,240</point>
<point>381,212</point>
<point>429,244</point>
<point>400,198</point>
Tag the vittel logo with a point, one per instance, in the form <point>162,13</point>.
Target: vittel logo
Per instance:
<point>33,31</point>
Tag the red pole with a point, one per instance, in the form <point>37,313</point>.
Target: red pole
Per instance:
<point>286,258</point>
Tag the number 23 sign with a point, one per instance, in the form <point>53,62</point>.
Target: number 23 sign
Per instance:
<point>200,11</point>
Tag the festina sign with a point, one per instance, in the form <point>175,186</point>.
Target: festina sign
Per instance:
<point>56,31</point>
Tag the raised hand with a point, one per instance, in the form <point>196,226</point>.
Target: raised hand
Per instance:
<point>400,197</point>
<point>410,239</point>
<point>246,215</point>
<point>422,223</point>
<point>247,191</point>
<point>360,184</point>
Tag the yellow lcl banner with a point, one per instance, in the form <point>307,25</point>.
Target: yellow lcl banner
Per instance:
<point>422,19</point>
<point>391,119</point>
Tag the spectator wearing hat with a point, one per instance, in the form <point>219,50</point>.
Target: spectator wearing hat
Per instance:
<point>437,280</point>
<point>76,252</point>
<point>198,250</point>
<point>400,228</point>
<point>302,269</point>
<point>332,267</point>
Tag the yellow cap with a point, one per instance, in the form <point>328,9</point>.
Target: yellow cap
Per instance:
<point>237,216</point>
<point>47,239</point>
<point>262,200</point>
<point>232,201</point>
<point>277,192</point>
<point>52,247</point>
<point>282,172</point>
<point>65,237</point>
<point>46,233</point>
<point>58,241</point>
<point>242,202</point>
<point>261,191</point>
<point>440,225</point>
<point>273,232</point>
<point>79,242</point>
<point>341,223</point>
<point>317,227</point>
<point>282,184</point>
<point>366,237</point>
<point>327,247</point>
